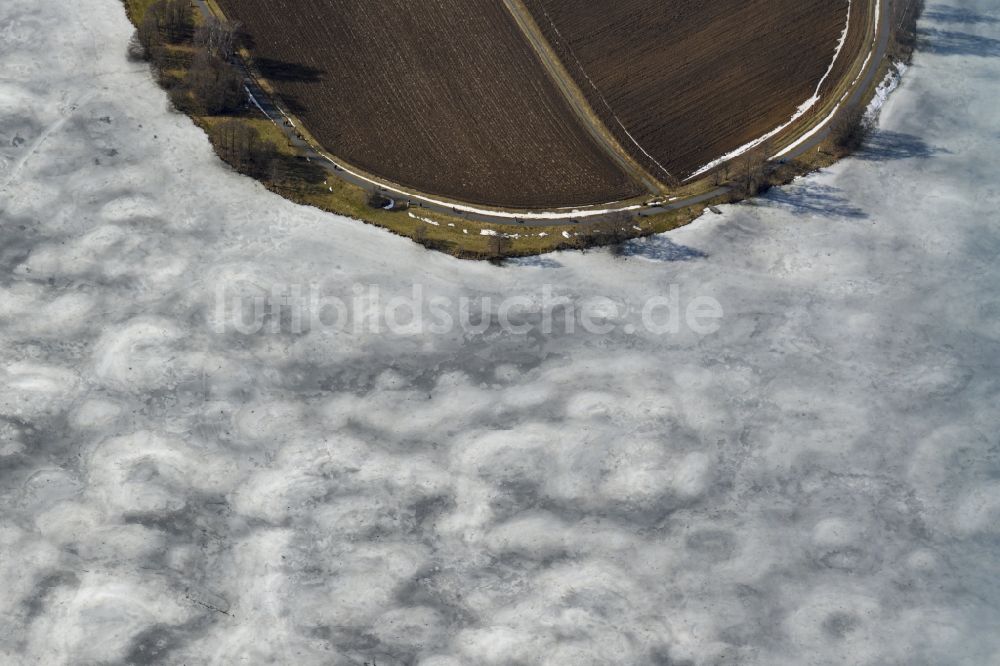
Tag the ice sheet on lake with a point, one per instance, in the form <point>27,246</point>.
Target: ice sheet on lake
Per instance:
<point>815,482</point>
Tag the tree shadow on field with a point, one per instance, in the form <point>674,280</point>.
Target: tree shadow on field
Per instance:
<point>276,69</point>
<point>813,199</point>
<point>948,14</point>
<point>886,145</point>
<point>948,42</point>
<point>280,70</point>
<point>660,248</point>
<point>291,103</point>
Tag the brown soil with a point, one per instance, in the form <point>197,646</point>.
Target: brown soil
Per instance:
<point>692,80</point>
<point>444,96</point>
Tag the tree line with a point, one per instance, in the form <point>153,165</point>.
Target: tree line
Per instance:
<point>194,63</point>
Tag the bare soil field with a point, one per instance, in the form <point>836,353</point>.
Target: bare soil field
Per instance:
<point>443,96</point>
<point>692,80</point>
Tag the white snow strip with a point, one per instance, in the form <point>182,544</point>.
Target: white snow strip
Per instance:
<point>868,59</point>
<point>488,232</point>
<point>810,134</point>
<point>575,213</point>
<point>819,126</point>
<point>257,104</point>
<point>483,211</point>
<point>802,110</point>
<point>424,219</point>
<point>886,88</point>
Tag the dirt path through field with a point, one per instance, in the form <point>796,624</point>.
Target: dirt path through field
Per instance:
<point>262,99</point>
<point>577,100</point>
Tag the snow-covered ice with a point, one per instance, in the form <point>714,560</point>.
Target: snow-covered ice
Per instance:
<point>816,482</point>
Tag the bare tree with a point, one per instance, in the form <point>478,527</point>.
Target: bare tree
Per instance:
<point>167,21</point>
<point>905,14</point>
<point>420,233</point>
<point>497,246</point>
<point>149,35</point>
<point>218,37</point>
<point>177,17</point>
<point>613,230</point>
<point>216,86</point>
<point>241,146</point>
<point>164,22</point>
<point>720,176</point>
<point>850,129</point>
<point>137,51</point>
<point>751,174</point>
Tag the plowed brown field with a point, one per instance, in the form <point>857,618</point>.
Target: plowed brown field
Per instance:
<point>444,96</point>
<point>692,80</point>
<point>448,97</point>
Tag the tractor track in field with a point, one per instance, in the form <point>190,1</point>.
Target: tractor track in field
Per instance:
<point>577,100</point>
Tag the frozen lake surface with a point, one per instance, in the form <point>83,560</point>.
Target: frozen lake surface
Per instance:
<point>818,481</point>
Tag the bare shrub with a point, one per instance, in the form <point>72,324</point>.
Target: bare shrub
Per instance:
<point>149,34</point>
<point>850,130</point>
<point>181,100</point>
<point>905,14</point>
<point>218,37</point>
<point>167,21</point>
<point>498,246</point>
<point>750,173</point>
<point>216,86</point>
<point>164,22</point>
<point>177,17</point>
<point>241,146</point>
<point>136,51</point>
<point>612,231</point>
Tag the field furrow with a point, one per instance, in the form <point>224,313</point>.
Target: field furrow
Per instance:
<point>689,80</point>
<point>443,96</point>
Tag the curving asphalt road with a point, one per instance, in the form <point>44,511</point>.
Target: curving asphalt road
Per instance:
<point>856,96</point>
<point>266,104</point>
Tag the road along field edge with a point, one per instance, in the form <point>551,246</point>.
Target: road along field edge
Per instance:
<point>865,67</point>
<point>488,214</point>
<point>693,189</point>
<point>478,233</point>
<point>456,234</point>
<point>658,191</point>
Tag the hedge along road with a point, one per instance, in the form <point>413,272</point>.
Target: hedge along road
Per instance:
<point>263,101</point>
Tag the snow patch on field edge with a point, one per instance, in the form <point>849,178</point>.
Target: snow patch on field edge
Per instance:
<point>892,81</point>
<point>803,108</point>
